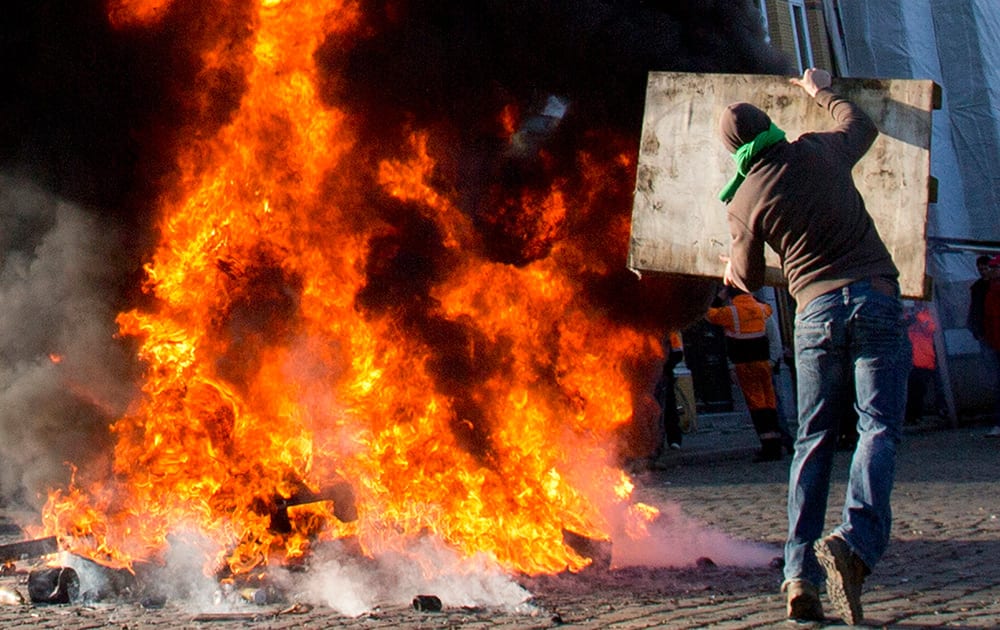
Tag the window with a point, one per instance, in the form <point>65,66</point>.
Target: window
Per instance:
<point>800,31</point>
<point>762,9</point>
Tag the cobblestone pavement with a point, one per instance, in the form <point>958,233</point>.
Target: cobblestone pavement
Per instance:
<point>942,568</point>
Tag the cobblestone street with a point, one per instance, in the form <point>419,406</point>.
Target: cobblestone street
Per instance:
<point>942,568</point>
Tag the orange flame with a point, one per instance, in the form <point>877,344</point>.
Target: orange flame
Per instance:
<point>265,380</point>
<point>124,13</point>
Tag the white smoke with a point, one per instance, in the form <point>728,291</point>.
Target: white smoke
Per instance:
<point>63,376</point>
<point>676,540</point>
<point>336,574</point>
<point>427,567</point>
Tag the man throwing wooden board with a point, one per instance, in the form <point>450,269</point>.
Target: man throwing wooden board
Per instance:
<point>800,199</point>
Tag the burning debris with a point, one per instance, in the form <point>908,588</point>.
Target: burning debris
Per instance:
<point>13,552</point>
<point>344,508</point>
<point>371,266</point>
<point>427,603</point>
<point>53,585</point>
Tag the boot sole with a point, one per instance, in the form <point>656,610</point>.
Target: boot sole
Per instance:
<point>848,607</point>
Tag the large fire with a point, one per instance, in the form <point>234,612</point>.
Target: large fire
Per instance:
<point>278,367</point>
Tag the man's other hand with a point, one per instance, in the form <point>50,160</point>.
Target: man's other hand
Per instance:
<point>813,80</point>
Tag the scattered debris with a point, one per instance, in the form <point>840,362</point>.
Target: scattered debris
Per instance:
<point>229,616</point>
<point>25,549</point>
<point>10,596</point>
<point>53,585</point>
<point>260,595</point>
<point>344,507</point>
<point>153,601</point>
<point>100,582</point>
<point>298,608</point>
<point>427,603</point>
<point>254,595</point>
<point>599,551</point>
<point>294,609</point>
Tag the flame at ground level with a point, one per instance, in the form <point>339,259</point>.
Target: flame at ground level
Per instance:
<point>322,313</point>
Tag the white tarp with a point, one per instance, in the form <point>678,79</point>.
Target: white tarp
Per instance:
<point>956,43</point>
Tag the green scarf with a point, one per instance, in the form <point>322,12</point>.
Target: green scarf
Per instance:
<point>745,156</point>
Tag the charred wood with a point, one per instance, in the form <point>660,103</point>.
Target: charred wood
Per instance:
<point>53,585</point>
<point>427,603</point>
<point>599,551</point>
<point>28,549</point>
<point>344,507</point>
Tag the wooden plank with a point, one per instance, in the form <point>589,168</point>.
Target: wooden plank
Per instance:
<point>679,224</point>
<point>25,549</point>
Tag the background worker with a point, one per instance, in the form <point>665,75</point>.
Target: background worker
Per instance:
<point>799,198</point>
<point>743,321</point>
<point>666,397</point>
<point>978,322</point>
<point>923,374</point>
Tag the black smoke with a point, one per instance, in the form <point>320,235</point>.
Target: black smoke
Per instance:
<point>454,61</point>
<point>455,66</point>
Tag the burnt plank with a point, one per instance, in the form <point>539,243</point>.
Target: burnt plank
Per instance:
<point>28,549</point>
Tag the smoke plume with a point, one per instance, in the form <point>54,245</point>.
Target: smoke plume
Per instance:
<point>61,374</point>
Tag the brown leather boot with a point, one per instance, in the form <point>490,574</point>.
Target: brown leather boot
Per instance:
<point>802,599</point>
<point>845,573</point>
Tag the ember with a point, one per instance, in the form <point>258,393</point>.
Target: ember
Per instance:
<point>379,317</point>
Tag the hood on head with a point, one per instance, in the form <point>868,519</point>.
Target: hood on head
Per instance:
<point>740,123</point>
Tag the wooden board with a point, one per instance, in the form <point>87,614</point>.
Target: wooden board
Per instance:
<point>679,224</point>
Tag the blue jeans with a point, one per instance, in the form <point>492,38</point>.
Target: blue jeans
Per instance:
<point>853,335</point>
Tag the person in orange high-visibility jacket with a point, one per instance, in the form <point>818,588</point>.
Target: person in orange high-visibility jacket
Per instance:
<point>923,375</point>
<point>743,321</point>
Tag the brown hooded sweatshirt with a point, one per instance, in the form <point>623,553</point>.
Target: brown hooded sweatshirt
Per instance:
<point>800,199</point>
